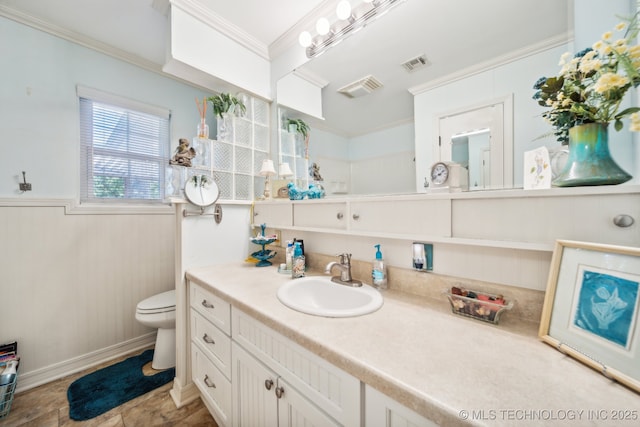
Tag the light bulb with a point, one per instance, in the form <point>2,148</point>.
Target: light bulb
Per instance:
<point>322,26</point>
<point>305,39</point>
<point>343,10</point>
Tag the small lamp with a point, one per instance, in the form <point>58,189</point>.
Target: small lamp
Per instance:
<point>267,171</point>
<point>285,171</point>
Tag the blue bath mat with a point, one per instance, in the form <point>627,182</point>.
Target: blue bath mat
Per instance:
<point>103,390</point>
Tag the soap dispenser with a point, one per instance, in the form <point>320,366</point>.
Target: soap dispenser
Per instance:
<point>379,270</point>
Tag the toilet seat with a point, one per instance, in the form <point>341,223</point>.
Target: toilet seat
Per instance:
<point>160,303</point>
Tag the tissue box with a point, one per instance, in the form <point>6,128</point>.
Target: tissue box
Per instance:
<point>478,305</point>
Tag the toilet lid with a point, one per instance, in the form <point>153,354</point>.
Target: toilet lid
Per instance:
<point>155,302</point>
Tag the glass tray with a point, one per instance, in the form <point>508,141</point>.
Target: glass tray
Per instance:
<point>478,305</point>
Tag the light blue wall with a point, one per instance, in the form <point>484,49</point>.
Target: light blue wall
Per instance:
<point>39,125</point>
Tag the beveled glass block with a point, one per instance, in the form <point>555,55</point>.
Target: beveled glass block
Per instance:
<point>203,153</point>
<point>175,178</point>
<point>261,137</point>
<point>243,187</point>
<point>258,187</point>
<point>287,144</point>
<point>224,127</point>
<point>242,133</point>
<point>259,156</point>
<point>261,112</point>
<point>224,181</point>
<point>243,160</point>
<point>222,156</point>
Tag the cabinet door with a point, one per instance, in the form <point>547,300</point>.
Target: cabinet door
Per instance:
<point>320,215</point>
<point>296,411</point>
<point>408,217</point>
<point>382,411</point>
<point>255,403</point>
<point>272,213</point>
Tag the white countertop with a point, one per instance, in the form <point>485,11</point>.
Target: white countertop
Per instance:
<point>450,369</point>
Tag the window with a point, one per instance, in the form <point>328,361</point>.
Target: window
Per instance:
<point>238,152</point>
<point>124,149</point>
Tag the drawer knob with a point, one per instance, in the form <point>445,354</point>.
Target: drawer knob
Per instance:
<point>208,382</point>
<point>207,304</point>
<point>623,220</point>
<point>268,384</point>
<point>279,392</point>
<point>356,217</point>
<point>340,215</point>
<point>206,338</point>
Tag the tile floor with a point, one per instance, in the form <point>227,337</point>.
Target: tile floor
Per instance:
<point>47,406</point>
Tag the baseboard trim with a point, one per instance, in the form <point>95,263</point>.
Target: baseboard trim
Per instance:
<point>183,395</point>
<point>59,370</point>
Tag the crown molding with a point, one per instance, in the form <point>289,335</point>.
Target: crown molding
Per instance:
<point>215,21</point>
<point>79,39</point>
<point>524,52</point>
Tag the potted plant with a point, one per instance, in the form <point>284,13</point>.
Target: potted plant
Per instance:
<point>226,103</point>
<point>298,126</point>
<point>585,97</point>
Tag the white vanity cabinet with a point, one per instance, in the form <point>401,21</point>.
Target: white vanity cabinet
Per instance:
<point>265,399</point>
<point>211,351</point>
<point>382,411</point>
<point>518,219</point>
<point>272,374</point>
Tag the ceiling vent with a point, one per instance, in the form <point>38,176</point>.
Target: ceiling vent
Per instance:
<point>416,63</point>
<point>360,87</point>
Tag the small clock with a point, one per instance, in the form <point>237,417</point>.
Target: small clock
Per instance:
<point>449,176</point>
<point>439,173</point>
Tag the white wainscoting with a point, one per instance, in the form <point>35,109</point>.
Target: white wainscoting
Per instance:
<point>70,283</point>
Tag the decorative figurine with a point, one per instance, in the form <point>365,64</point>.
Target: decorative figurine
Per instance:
<point>315,191</point>
<point>183,154</point>
<point>314,172</point>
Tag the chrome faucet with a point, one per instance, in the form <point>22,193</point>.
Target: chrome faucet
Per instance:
<point>345,271</point>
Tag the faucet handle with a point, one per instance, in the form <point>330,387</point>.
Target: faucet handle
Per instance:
<point>345,258</point>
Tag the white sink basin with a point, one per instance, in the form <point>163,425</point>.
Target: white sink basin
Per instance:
<point>322,297</point>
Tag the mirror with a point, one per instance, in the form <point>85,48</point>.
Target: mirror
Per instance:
<point>201,190</point>
<point>476,52</point>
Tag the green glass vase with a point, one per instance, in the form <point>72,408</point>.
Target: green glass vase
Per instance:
<point>589,161</point>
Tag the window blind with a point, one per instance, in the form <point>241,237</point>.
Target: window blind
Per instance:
<point>124,151</point>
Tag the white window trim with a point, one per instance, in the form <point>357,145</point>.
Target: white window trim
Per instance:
<point>108,206</point>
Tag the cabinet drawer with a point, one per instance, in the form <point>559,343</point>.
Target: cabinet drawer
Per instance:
<point>214,387</point>
<point>321,215</point>
<point>212,341</point>
<point>214,309</point>
<point>324,384</point>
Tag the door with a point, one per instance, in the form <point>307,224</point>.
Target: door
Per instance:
<point>469,130</point>
<point>296,411</point>
<point>255,403</point>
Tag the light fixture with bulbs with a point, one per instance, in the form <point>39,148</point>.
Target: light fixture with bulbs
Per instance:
<point>350,20</point>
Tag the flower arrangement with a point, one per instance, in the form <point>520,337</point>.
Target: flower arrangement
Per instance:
<point>591,86</point>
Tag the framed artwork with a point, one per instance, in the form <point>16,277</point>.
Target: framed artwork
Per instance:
<point>591,308</point>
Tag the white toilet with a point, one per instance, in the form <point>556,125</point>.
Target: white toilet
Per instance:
<point>159,311</point>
